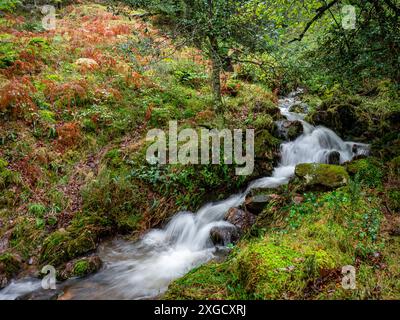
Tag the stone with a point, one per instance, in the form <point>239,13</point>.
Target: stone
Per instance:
<point>240,218</point>
<point>41,294</point>
<point>289,130</point>
<point>87,63</point>
<point>333,157</point>
<point>81,267</point>
<point>325,176</point>
<point>224,235</point>
<point>299,107</point>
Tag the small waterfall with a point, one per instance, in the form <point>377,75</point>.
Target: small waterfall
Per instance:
<point>144,269</point>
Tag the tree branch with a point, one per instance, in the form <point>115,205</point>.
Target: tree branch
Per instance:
<point>320,13</point>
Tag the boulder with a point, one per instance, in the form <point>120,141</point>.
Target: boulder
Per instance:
<point>81,267</point>
<point>240,219</point>
<point>333,157</point>
<point>224,235</point>
<point>299,107</point>
<point>257,199</point>
<point>266,151</point>
<point>289,130</point>
<point>87,63</point>
<point>323,176</point>
<point>340,115</point>
<point>41,294</point>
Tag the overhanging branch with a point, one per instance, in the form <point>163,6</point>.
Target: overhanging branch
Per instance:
<point>320,13</point>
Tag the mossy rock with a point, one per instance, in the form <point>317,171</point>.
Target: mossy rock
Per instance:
<point>266,151</point>
<point>299,108</point>
<point>264,143</point>
<point>268,270</point>
<point>205,282</point>
<point>62,245</point>
<point>322,175</point>
<point>340,115</point>
<point>9,267</point>
<point>80,267</point>
<point>266,107</point>
<point>289,130</point>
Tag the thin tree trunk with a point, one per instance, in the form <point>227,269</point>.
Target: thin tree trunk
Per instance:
<point>216,74</point>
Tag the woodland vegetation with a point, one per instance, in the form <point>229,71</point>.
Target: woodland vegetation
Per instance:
<point>76,103</point>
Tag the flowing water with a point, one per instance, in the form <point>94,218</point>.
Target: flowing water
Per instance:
<point>144,269</point>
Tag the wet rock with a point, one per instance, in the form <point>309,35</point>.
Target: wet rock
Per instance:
<point>325,176</point>
<point>361,149</point>
<point>81,267</point>
<point>333,157</point>
<point>240,218</point>
<point>299,107</point>
<point>257,200</point>
<point>41,295</point>
<point>224,235</point>
<point>289,130</point>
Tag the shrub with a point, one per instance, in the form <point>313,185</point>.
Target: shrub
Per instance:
<point>68,134</point>
<point>16,97</point>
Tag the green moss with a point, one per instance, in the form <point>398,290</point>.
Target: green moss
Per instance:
<point>7,176</point>
<point>264,144</point>
<point>9,265</point>
<point>321,235</point>
<point>265,269</point>
<point>210,281</point>
<point>369,171</point>
<point>81,268</point>
<point>79,238</point>
<point>330,176</point>
<point>264,121</point>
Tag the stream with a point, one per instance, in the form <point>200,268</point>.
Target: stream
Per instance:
<point>144,269</point>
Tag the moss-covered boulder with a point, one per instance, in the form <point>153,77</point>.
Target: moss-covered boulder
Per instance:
<point>80,267</point>
<point>274,270</point>
<point>266,151</point>
<point>266,107</point>
<point>339,114</point>
<point>289,130</point>
<point>62,245</point>
<point>300,107</point>
<point>9,267</point>
<point>325,176</point>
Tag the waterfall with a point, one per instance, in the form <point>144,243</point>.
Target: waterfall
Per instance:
<point>144,269</point>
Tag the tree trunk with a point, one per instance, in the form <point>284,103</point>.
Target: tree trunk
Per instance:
<point>216,74</point>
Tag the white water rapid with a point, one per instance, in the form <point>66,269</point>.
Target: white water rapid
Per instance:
<point>144,269</point>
